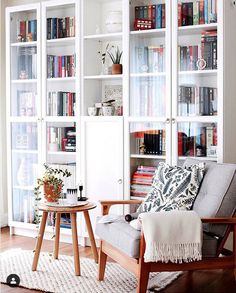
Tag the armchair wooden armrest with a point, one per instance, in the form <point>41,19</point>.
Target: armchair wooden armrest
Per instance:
<point>106,204</point>
<point>220,220</point>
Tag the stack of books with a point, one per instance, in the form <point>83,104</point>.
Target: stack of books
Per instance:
<point>61,104</point>
<point>154,13</point>
<point>149,59</point>
<point>198,101</point>
<point>27,63</point>
<point>27,30</point>
<point>60,27</point>
<point>189,55</point>
<point>150,142</point>
<point>60,66</point>
<point>63,137</point>
<point>197,12</point>
<point>142,181</point>
<point>198,142</point>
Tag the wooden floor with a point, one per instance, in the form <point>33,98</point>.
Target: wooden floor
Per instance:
<point>218,281</point>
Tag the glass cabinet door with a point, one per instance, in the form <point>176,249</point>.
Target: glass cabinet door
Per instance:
<point>24,110</point>
<point>196,96</point>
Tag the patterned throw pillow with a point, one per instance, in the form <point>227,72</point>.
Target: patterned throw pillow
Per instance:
<point>173,188</point>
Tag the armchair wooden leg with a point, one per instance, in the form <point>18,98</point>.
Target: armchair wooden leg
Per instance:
<point>101,264</point>
<point>143,276</point>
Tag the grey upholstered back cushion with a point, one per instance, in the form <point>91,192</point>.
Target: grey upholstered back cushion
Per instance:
<point>217,194</point>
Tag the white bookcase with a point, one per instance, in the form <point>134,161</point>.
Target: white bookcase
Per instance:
<point>150,96</point>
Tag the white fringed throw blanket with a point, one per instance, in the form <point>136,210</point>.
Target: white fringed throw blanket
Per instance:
<point>174,236</point>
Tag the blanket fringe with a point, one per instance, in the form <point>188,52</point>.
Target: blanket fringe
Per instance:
<point>175,253</point>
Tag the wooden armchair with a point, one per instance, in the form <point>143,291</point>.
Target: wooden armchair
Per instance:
<point>215,204</point>
<point>142,269</point>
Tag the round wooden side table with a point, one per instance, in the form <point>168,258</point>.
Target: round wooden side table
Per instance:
<point>72,211</point>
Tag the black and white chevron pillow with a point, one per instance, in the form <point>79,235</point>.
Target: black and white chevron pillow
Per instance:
<point>173,188</point>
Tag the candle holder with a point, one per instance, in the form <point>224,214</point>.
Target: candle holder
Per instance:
<point>81,197</point>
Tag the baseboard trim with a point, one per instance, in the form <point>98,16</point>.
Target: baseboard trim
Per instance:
<point>4,220</point>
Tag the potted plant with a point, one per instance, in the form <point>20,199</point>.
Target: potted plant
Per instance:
<point>115,58</point>
<point>51,183</point>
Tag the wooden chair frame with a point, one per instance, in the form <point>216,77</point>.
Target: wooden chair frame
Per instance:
<point>142,269</point>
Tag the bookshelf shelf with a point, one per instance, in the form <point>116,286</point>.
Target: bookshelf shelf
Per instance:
<point>25,151</point>
<point>60,119</point>
<point>104,37</point>
<point>61,79</point>
<point>24,44</point>
<point>196,29</point>
<point>23,187</point>
<point>60,153</point>
<point>146,74</point>
<point>102,77</point>
<point>23,81</point>
<point>182,158</point>
<point>152,157</point>
<point>201,73</point>
<point>61,41</point>
<point>202,119</point>
<point>152,33</point>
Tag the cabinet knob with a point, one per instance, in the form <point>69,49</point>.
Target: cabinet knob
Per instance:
<point>173,120</point>
<point>167,120</point>
<point>120,181</point>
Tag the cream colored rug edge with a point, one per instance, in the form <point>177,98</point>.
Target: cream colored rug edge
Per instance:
<point>58,275</point>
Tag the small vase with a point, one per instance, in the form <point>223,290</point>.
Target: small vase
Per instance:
<point>108,110</point>
<point>50,194</point>
<point>114,22</point>
<point>116,69</point>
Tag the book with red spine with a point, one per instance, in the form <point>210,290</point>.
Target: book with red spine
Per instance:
<point>179,14</point>
<point>23,29</point>
<point>201,12</point>
<point>180,144</point>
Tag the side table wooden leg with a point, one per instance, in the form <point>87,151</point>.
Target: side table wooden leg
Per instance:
<point>75,243</point>
<point>91,236</point>
<point>39,241</point>
<point>57,235</point>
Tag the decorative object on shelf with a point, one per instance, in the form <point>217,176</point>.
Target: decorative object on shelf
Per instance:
<point>52,183</point>
<point>97,30</point>
<point>20,38</point>
<point>29,37</point>
<point>142,149</point>
<point>71,196</point>
<point>114,92</point>
<point>201,64</point>
<point>104,70</point>
<point>115,58</point>
<point>107,108</point>
<point>114,22</point>
<point>92,111</point>
<point>81,197</point>
<point>24,173</point>
<point>143,24</point>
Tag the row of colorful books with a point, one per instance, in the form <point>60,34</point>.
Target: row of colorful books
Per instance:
<point>63,27</point>
<point>61,104</point>
<point>60,66</point>
<point>195,101</point>
<point>148,97</point>
<point>26,30</point>
<point>61,139</point>
<point>26,101</point>
<point>141,181</point>
<point>198,142</point>
<point>199,57</point>
<point>197,12</point>
<point>154,13</point>
<point>149,59</point>
<point>150,142</point>
<point>27,63</point>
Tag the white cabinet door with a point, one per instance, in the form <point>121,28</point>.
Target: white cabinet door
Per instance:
<point>102,161</point>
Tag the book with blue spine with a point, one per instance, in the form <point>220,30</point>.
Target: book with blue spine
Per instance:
<point>158,16</point>
<point>206,11</point>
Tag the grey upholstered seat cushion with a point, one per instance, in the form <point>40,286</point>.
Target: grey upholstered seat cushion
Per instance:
<point>127,239</point>
<point>217,194</point>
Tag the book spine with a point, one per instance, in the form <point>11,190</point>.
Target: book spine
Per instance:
<point>195,12</point>
<point>206,10</point>
<point>163,15</point>
<point>190,14</point>
<point>141,12</point>
<point>158,16</point>
<point>136,12</point>
<point>184,14</point>
<point>153,15</point>
<point>179,14</point>
<point>201,12</point>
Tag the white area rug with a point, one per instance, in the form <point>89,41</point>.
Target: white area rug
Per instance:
<point>58,275</point>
